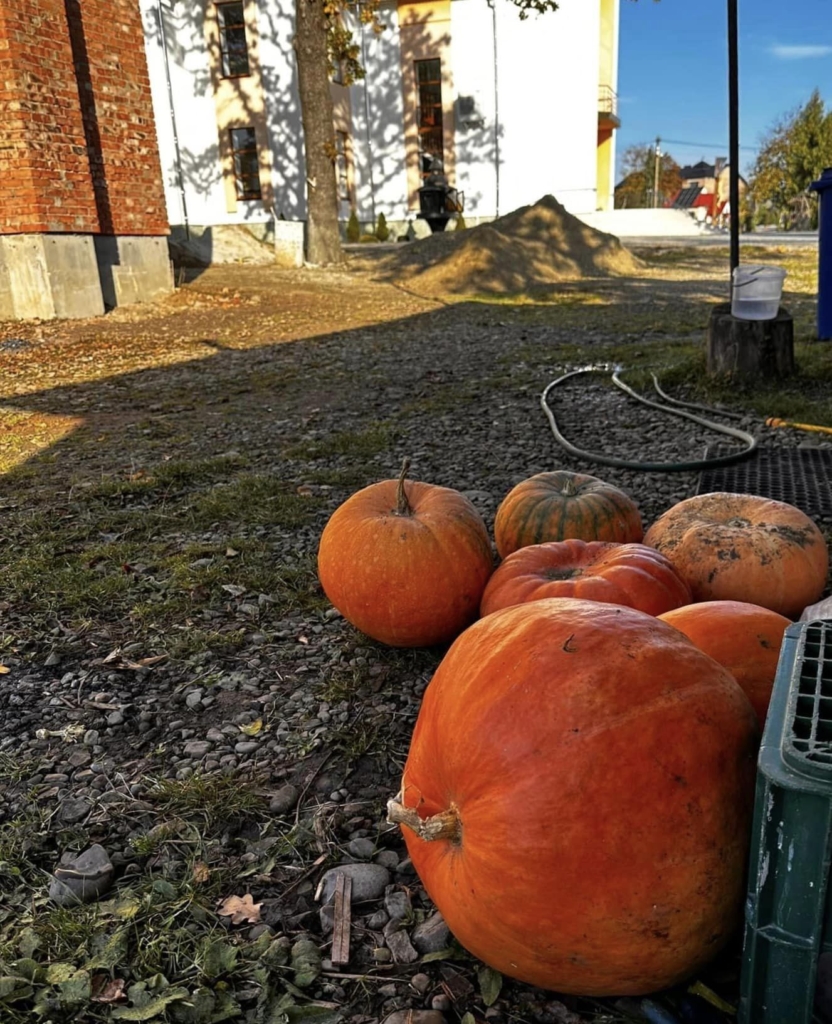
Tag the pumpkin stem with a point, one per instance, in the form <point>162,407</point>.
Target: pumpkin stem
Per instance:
<point>568,488</point>
<point>403,507</point>
<point>445,825</point>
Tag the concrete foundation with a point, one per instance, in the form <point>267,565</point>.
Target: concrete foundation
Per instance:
<point>133,268</point>
<point>48,276</point>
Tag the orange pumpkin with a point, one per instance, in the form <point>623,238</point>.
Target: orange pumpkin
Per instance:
<point>740,547</point>
<point>577,797</point>
<point>745,638</point>
<point>628,574</point>
<point>563,506</point>
<point>406,562</point>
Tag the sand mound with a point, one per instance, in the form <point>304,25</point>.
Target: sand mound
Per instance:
<point>533,246</point>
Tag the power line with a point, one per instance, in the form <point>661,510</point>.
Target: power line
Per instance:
<point>708,145</point>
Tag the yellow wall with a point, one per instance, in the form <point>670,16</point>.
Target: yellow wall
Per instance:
<point>604,170</point>
<point>606,64</point>
<point>239,104</point>
<point>425,33</point>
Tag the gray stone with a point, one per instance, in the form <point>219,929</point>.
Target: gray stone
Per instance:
<point>115,718</point>
<point>246,747</point>
<point>361,848</point>
<point>397,905</point>
<point>388,858</point>
<point>368,882</point>
<point>91,737</point>
<point>431,935</point>
<point>378,920</point>
<point>284,799</point>
<point>399,944</point>
<point>415,1017</point>
<point>82,879</point>
<point>197,748</point>
<point>194,699</point>
<point>73,809</point>
<point>421,982</point>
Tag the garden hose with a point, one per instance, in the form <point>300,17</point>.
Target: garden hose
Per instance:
<point>773,421</point>
<point>748,440</point>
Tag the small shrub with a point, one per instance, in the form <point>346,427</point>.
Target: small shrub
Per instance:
<point>368,238</point>
<point>460,223</point>
<point>382,231</point>
<point>353,228</point>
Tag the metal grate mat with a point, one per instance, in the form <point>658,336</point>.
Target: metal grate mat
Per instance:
<point>800,476</point>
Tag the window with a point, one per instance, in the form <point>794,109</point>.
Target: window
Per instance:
<point>342,168</point>
<point>429,84</point>
<point>246,164</point>
<point>233,46</point>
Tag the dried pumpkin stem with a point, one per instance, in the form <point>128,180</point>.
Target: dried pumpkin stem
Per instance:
<point>403,507</point>
<point>445,825</point>
<point>568,488</point>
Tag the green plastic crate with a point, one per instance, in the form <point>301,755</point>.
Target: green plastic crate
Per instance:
<point>788,919</point>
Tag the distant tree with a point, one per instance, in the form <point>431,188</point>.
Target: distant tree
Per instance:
<point>794,152</point>
<point>635,190</point>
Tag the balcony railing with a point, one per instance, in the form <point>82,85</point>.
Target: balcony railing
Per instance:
<point>607,101</point>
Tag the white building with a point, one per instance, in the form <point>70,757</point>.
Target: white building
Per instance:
<point>516,109</point>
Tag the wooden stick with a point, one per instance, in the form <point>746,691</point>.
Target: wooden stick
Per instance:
<point>340,955</point>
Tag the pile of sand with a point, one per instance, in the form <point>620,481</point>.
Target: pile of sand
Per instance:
<point>533,246</point>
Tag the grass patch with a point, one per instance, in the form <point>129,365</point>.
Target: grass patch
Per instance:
<point>359,443</point>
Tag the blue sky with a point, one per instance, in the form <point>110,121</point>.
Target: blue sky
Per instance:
<point>673,71</point>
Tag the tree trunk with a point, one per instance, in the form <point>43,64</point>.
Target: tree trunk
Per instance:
<point>323,241</point>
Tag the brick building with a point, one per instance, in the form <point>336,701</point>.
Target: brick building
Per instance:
<point>82,210</point>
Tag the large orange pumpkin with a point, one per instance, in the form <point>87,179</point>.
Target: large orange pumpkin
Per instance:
<point>561,506</point>
<point>740,547</point>
<point>577,797</point>
<point>628,574</point>
<point>406,562</point>
<point>745,638</point>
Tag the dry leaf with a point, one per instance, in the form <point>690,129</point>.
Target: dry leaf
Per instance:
<point>240,909</point>
<point>107,991</point>
<point>201,871</point>
<point>4,669</point>
<point>231,552</point>
<point>253,728</point>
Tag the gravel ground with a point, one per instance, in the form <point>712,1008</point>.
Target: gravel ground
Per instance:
<point>255,770</point>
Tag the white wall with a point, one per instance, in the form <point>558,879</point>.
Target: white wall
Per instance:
<point>378,124</point>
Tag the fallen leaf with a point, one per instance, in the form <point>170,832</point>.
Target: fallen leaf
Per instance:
<point>105,990</point>
<point>240,909</point>
<point>231,552</point>
<point>233,588</point>
<point>201,871</point>
<point>253,728</point>
<point>4,669</point>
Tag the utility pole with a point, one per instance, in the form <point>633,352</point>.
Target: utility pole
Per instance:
<point>734,134</point>
<point>656,173</point>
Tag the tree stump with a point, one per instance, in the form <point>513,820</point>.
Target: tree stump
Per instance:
<point>747,350</point>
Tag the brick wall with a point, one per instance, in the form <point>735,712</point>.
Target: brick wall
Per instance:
<point>78,146</point>
<point>45,181</point>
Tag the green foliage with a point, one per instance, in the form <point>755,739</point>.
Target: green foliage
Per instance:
<point>382,231</point>
<point>353,228</point>
<point>794,153</point>
<point>367,238</point>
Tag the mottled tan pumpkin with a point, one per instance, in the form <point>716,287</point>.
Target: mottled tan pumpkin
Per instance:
<point>562,506</point>
<point>740,547</point>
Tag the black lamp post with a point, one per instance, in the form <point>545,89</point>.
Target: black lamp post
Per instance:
<point>733,135</point>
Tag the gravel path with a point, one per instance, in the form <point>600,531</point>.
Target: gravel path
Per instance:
<point>104,741</point>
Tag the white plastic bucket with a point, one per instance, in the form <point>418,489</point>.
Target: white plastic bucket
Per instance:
<point>756,292</point>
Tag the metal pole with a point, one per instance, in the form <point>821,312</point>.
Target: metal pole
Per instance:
<point>656,169</point>
<point>734,135</point>
<point>177,155</point>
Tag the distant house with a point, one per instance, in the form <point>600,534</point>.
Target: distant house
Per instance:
<point>705,186</point>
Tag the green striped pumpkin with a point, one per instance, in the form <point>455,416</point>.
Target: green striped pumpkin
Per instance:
<point>565,506</point>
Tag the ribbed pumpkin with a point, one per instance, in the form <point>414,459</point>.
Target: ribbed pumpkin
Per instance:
<point>740,547</point>
<point>406,562</point>
<point>744,638</point>
<point>630,574</point>
<point>564,506</point>
<point>577,797</point>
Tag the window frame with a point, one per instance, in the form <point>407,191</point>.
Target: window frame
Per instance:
<point>436,127</point>
<point>224,64</point>
<point>242,193</point>
<point>343,155</point>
